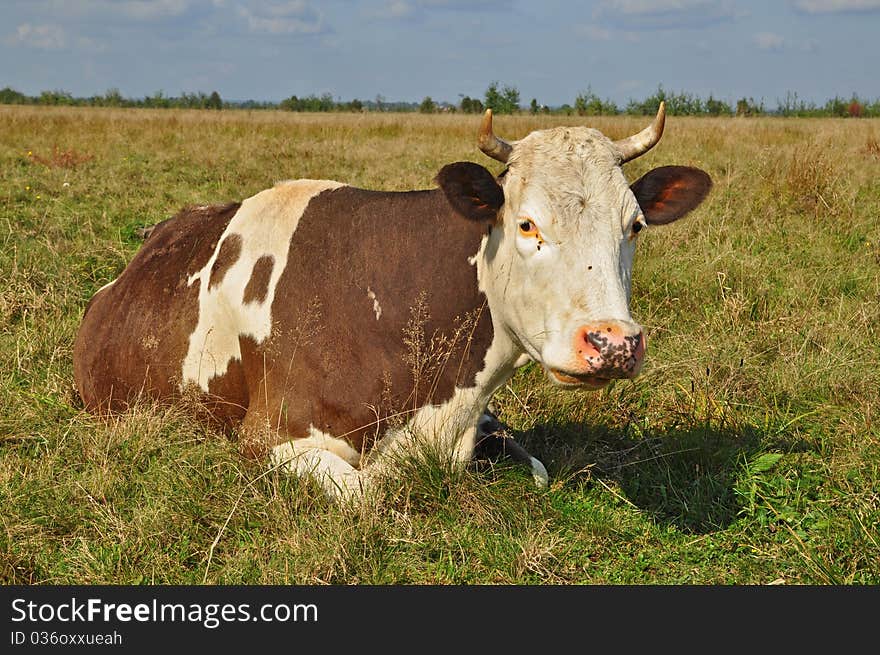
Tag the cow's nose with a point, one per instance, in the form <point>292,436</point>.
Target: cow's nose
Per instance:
<point>611,348</point>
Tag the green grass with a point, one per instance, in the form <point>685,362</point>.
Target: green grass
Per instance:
<point>748,452</point>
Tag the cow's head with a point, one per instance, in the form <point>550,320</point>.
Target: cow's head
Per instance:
<point>563,223</point>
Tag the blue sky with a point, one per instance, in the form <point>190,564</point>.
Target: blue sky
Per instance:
<point>408,49</point>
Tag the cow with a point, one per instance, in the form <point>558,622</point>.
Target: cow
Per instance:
<point>334,328</point>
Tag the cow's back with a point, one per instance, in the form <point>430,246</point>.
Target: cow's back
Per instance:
<point>135,331</point>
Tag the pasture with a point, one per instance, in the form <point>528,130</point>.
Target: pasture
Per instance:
<point>747,452</point>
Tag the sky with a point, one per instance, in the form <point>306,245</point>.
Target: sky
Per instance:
<point>404,50</point>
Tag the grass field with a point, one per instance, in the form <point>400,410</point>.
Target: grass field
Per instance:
<point>747,452</point>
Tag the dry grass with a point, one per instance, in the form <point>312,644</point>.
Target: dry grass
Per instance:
<point>748,451</point>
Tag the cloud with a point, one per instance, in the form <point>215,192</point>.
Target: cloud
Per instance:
<point>595,32</point>
<point>152,9</point>
<point>139,10</point>
<point>42,37</point>
<point>663,14</point>
<point>466,5</point>
<point>396,9</point>
<point>836,6</point>
<point>48,36</point>
<point>282,17</point>
<point>768,41</point>
<point>407,9</point>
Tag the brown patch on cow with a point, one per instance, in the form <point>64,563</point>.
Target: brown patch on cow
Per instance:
<point>135,333</point>
<point>230,251</point>
<point>351,374</point>
<point>258,286</point>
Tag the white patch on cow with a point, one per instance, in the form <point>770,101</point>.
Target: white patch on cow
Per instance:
<point>265,223</point>
<point>377,308</point>
<point>339,479</point>
<point>106,286</point>
<point>340,447</point>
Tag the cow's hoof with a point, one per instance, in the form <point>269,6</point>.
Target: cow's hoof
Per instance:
<point>539,473</point>
<point>494,440</point>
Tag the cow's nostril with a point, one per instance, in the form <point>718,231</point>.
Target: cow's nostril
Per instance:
<point>597,340</point>
<point>589,348</point>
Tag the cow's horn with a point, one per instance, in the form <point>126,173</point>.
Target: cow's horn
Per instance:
<point>489,143</point>
<point>638,144</point>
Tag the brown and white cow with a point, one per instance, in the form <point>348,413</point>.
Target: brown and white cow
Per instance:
<point>336,326</point>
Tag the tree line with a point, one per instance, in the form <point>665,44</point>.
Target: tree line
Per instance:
<point>502,99</point>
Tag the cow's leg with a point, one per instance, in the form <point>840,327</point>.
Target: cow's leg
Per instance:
<point>339,479</point>
<point>330,461</point>
<point>494,440</point>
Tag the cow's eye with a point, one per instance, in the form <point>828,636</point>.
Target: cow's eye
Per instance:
<point>637,227</point>
<point>527,228</point>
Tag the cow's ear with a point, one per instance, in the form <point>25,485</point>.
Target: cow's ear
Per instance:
<point>667,193</point>
<point>471,190</point>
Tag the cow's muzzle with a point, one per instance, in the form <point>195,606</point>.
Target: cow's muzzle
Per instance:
<point>603,351</point>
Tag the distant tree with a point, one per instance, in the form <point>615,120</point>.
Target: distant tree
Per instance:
<point>356,105</point>
<point>748,107</point>
<point>717,107</point>
<point>290,104</point>
<point>855,109</point>
<point>871,109</point>
<point>590,104</point>
<point>837,107</point>
<point>113,98</point>
<point>315,103</point>
<point>791,105</point>
<point>197,100</point>
<point>533,106</point>
<point>214,101</point>
<point>9,96</point>
<point>684,104</point>
<point>380,102</point>
<point>471,105</point>
<point>325,102</point>
<point>566,109</point>
<point>158,99</point>
<point>428,106</point>
<point>55,98</point>
<point>504,100</point>
<point>649,105</point>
